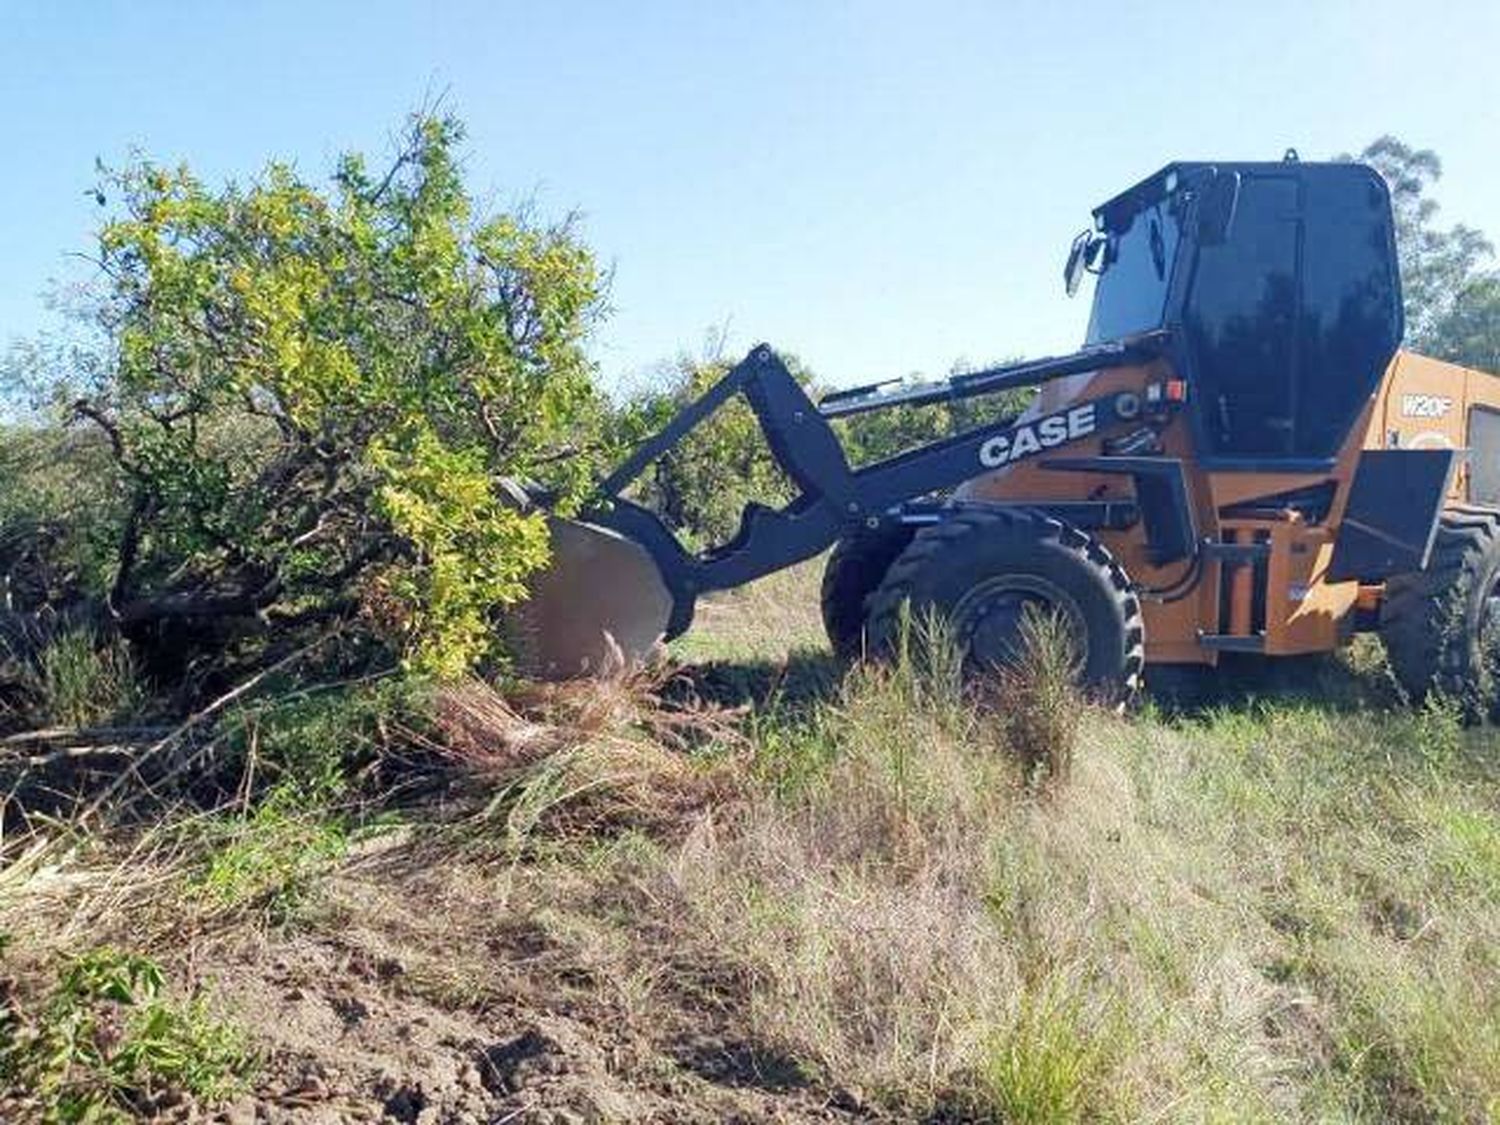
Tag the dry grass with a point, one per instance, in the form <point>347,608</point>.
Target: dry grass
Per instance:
<point>861,903</point>
<point>589,759</point>
<point>1176,934</point>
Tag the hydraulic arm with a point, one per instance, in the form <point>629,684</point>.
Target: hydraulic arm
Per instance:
<point>832,496</point>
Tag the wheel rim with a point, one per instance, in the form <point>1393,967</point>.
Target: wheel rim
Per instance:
<point>987,619</point>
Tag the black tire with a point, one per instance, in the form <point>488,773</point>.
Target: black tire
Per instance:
<point>1435,622</point>
<point>855,568</point>
<point>980,566</point>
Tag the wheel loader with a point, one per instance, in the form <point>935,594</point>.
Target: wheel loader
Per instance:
<point>1239,459</point>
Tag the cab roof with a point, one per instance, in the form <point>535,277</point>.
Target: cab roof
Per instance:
<point>1115,212</point>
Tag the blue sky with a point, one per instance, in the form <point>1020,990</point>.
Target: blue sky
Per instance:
<point>881,188</point>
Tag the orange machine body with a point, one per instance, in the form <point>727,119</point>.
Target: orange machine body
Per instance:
<point>1285,604</point>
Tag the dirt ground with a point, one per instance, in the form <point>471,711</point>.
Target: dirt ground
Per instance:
<point>370,1014</point>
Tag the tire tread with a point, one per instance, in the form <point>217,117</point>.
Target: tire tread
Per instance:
<point>967,521</point>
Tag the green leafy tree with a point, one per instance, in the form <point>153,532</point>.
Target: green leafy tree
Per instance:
<point>1451,295</point>
<point>1470,332</point>
<point>310,396</point>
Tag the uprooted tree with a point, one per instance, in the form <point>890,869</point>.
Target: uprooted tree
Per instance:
<point>304,402</point>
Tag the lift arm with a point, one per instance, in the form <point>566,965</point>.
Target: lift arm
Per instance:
<point>833,497</point>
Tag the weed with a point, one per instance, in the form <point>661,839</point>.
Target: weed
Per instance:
<point>1438,730</point>
<point>1050,1062</point>
<point>81,680</point>
<point>319,738</point>
<point>1039,698</point>
<point>108,1045</point>
<point>267,860</point>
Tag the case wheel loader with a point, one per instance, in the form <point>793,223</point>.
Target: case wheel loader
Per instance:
<point>1239,459</point>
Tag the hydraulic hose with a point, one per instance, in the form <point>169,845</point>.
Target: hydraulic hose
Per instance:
<point>1176,591</point>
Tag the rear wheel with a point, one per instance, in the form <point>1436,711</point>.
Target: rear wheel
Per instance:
<point>855,568</point>
<point>1440,625</point>
<point>982,569</point>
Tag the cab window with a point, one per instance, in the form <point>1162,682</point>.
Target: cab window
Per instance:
<point>1291,321</point>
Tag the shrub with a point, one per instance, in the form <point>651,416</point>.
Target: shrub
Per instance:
<point>107,1045</point>
<point>308,396</point>
<point>701,485</point>
<point>884,433</point>
<point>60,511</point>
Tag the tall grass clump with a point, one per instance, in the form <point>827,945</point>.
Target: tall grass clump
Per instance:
<point>1046,1063</point>
<point>79,679</point>
<point>906,908</point>
<point>1039,701</point>
<point>1147,942</point>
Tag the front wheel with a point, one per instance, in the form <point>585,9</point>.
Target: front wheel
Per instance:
<point>982,569</point>
<point>854,571</point>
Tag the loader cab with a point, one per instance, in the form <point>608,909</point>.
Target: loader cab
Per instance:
<point>1276,289</point>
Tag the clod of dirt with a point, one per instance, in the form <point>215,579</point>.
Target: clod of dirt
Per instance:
<point>499,1063</point>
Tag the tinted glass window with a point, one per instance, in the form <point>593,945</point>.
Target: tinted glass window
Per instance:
<point>1484,456</point>
<point>1131,293</point>
<point>1240,322</point>
<point>1349,327</point>
<point>1292,321</point>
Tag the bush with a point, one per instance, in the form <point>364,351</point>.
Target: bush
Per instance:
<point>884,433</point>
<point>60,514</point>
<point>308,395</point>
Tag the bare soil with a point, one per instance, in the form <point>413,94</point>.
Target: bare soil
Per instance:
<point>369,1014</point>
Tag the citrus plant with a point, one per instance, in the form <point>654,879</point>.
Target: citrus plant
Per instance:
<point>311,392</point>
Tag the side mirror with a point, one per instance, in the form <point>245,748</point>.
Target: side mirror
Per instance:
<point>1217,203</point>
<point>1078,260</point>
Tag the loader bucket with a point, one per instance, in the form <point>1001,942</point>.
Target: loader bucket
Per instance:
<point>600,606</point>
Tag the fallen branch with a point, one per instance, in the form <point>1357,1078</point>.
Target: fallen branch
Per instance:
<point>82,735</point>
<point>73,753</point>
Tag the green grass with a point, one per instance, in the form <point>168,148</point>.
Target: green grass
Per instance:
<point>80,680</point>
<point>267,859</point>
<point>1049,1062</point>
<point>1282,904</point>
